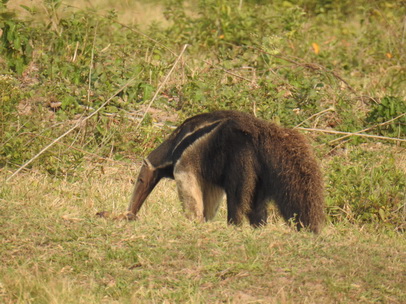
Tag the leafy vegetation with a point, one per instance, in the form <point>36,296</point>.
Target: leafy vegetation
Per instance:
<point>333,66</point>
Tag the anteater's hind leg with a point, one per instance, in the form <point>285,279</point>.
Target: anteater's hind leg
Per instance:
<point>240,189</point>
<point>258,215</point>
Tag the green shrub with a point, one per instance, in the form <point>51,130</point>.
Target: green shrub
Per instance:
<point>388,108</point>
<point>10,96</point>
<point>366,187</point>
<point>15,44</point>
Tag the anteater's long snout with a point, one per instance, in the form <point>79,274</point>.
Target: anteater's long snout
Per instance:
<point>146,181</point>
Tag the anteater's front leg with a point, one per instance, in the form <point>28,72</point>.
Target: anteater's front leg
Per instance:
<point>190,191</point>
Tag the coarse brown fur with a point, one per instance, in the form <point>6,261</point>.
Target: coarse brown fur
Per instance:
<point>253,161</point>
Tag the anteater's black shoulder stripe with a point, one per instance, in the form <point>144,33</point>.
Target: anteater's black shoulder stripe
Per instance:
<point>193,137</point>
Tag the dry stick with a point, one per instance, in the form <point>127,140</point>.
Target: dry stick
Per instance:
<point>367,129</point>
<point>91,67</point>
<point>226,71</point>
<point>352,134</point>
<point>161,85</point>
<point>78,149</point>
<point>319,113</point>
<point>73,128</point>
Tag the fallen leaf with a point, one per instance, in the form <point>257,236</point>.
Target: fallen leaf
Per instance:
<point>316,48</point>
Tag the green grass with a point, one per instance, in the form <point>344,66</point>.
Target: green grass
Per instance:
<point>55,250</point>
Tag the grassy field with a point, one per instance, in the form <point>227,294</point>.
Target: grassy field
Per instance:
<point>336,70</point>
<point>55,250</point>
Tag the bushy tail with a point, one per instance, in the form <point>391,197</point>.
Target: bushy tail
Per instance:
<point>301,193</point>
<point>302,200</point>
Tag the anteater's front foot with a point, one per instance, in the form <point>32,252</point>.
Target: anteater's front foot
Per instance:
<point>129,216</point>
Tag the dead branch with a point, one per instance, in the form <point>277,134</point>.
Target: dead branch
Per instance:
<point>353,134</point>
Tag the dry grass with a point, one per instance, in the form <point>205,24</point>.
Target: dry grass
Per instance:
<point>129,12</point>
<point>54,250</point>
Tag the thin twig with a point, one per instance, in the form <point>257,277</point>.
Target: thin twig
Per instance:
<point>70,146</point>
<point>89,88</point>
<point>352,134</point>
<point>73,128</point>
<point>367,129</point>
<point>319,113</point>
<point>227,71</point>
<point>161,85</point>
